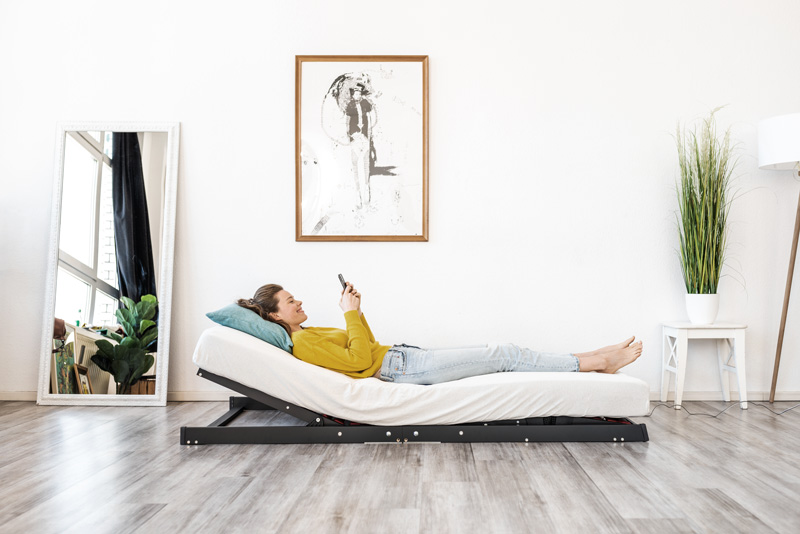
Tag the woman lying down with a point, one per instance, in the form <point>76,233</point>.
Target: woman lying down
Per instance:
<point>356,353</point>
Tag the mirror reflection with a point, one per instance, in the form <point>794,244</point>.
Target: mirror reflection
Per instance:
<point>105,334</point>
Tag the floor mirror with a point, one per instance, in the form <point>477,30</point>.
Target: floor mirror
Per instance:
<point>109,279</point>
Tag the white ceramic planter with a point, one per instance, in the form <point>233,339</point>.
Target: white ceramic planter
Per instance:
<point>701,308</point>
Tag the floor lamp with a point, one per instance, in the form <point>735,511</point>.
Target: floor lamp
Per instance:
<point>779,149</point>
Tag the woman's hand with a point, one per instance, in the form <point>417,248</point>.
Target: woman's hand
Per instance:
<point>351,299</point>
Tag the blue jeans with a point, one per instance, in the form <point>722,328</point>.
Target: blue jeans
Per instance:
<point>405,364</point>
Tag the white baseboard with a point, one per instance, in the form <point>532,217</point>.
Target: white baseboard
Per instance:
<point>18,396</point>
<point>217,396</point>
<point>200,396</point>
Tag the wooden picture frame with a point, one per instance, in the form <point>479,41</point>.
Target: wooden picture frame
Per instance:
<point>84,382</point>
<point>361,148</point>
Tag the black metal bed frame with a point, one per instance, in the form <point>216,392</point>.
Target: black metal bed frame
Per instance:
<point>321,428</point>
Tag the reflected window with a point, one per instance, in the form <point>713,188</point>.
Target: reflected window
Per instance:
<point>106,253</point>
<point>79,190</point>
<point>72,297</point>
<point>87,288</point>
<point>105,306</point>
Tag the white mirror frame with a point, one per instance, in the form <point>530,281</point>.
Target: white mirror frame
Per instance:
<point>165,281</point>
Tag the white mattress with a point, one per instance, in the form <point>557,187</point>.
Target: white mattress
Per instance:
<point>499,396</point>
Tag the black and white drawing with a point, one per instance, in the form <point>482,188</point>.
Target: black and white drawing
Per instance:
<point>362,148</point>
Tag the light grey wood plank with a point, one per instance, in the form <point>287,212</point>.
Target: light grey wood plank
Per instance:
<point>499,451</point>
<point>454,506</point>
<point>120,518</point>
<point>660,526</point>
<point>572,500</point>
<point>631,493</point>
<point>272,492</point>
<point>511,500</point>
<point>711,510</point>
<point>453,463</point>
<point>394,521</point>
<point>352,484</point>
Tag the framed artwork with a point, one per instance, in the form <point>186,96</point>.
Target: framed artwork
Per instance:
<point>84,383</point>
<point>361,148</point>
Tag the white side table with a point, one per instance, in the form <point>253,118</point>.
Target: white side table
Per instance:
<point>730,354</point>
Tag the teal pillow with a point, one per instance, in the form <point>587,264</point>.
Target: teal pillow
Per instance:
<point>249,322</point>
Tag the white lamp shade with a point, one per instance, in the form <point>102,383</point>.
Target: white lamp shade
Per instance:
<point>779,142</point>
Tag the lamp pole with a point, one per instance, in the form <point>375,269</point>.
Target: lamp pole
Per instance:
<point>788,291</point>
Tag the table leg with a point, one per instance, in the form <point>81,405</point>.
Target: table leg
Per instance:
<point>666,353</point>
<point>724,351</point>
<point>738,356</point>
<point>681,353</point>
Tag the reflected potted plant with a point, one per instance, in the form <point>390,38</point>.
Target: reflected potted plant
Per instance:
<point>131,356</point>
<point>706,163</point>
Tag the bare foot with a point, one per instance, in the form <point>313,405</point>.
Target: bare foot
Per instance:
<point>618,359</point>
<point>610,348</point>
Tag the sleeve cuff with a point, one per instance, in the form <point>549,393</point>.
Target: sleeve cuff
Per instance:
<point>351,315</point>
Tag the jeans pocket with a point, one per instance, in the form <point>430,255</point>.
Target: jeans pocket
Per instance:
<point>397,362</point>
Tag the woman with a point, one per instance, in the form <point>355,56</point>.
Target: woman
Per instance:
<point>355,352</point>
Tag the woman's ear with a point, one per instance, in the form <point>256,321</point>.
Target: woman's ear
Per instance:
<point>274,316</point>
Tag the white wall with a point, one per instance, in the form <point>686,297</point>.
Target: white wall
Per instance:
<point>551,165</point>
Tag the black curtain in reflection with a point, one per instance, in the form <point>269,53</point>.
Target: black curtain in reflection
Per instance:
<point>137,276</point>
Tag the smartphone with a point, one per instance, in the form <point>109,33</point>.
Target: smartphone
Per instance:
<point>341,279</point>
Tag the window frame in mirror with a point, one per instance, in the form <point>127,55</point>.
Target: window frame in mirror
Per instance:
<point>44,396</point>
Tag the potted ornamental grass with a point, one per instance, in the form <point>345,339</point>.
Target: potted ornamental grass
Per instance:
<point>706,160</point>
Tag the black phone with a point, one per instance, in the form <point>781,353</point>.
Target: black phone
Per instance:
<point>341,279</point>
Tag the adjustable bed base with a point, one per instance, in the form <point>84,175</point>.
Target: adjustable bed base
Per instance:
<point>320,428</point>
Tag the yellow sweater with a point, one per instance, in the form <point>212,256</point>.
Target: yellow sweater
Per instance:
<point>353,352</point>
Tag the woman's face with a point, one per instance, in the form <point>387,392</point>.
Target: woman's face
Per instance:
<point>290,310</point>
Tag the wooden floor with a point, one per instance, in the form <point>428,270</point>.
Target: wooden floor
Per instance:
<point>96,470</point>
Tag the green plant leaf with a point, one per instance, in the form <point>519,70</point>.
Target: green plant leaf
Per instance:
<point>128,326</point>
<point>104,347</point>
<point>147,310</point>
<point>124,315</point>
<point>121,370</point>
<point>145,324</point>
<point>131,342</point>
<point>103,362</point>
<point>128,302</point>
<point>113,335</point>
<point>142,365</point>
<point>149,338</point>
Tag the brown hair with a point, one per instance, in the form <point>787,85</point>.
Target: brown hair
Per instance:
<point>265,302</point>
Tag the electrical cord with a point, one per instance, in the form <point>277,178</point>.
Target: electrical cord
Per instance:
<point>723,411</point>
